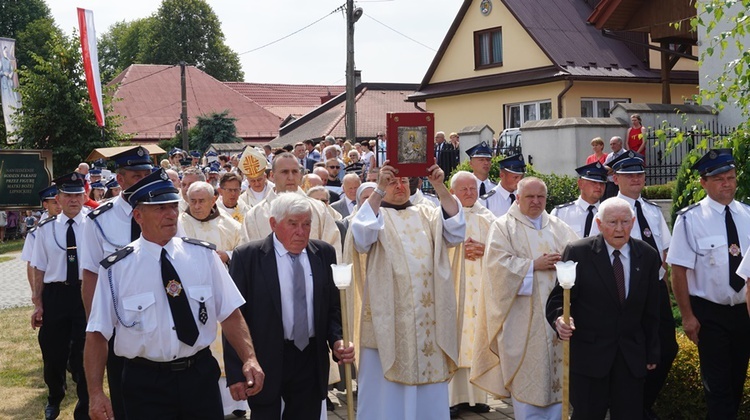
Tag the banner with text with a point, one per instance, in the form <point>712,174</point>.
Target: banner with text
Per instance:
<point>9,94</point>
<point>22,174</point>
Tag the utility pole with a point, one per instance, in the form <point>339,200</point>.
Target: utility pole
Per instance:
<point>352,16</point>
<point>184,115</point>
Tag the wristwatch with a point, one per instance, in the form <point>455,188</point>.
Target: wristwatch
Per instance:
<point>379,192</point>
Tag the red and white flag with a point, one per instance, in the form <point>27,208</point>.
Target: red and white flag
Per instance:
<point>91,62</point>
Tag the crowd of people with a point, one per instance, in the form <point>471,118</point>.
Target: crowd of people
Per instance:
<point>203,285</point>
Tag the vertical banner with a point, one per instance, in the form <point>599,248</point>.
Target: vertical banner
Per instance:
<point>11,99</point>
<point>91,62</point>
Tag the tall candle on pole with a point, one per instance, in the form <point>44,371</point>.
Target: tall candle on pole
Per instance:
<point>342,277</point>
<point>566,276</point>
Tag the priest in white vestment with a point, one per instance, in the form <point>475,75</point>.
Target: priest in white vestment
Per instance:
<point>287,175</point>
<point>230,186</point>
<point>464,395</point>
<point>253,164</point>
<point>203,220</point>
<point>407,327</point>
<point>514,354</point>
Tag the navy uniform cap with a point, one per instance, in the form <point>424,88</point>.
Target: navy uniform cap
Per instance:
<point>174,151</point>
<point>214,167</point>
<point>95,171</point>
<point>135,159</point>
<point>153,189</point>
<point>196,154</point>
<point>48,193</point>
<point>100,163</point>
<point>71,183</point>
<point>98,185</point>
<point>593,172</point>
<point>112,183</point>
<point>514,164</point>
<point>211,154</point>
<point>480,150</point>
<point>715,162</point>
<point>629,162</point>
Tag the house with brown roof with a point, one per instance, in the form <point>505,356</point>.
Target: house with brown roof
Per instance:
<point>287,101</point>
<point>148,97</point>
<point>507,62</point>
<point>373,102</point>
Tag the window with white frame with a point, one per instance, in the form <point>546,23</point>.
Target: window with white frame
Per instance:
<point>517,114</point>
<point>598,107</point>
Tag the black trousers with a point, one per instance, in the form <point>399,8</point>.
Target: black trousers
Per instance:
<point>115,365</point>
<point>61,339</point>
<point>724,350</point>
<point>668,349</point>
<point>159,393</point>
<point>619,391</point>
<point>299,388</point>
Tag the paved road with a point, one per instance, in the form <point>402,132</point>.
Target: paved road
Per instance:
<point>15,291</point>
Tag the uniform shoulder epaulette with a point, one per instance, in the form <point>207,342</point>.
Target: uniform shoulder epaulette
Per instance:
<point>198,242</point>
<point>116,256</point>
<point>687,209</point>
<point>47,220</point>
<point>488,195</point>
<point>649,202</point>
<point>568,204</point>
<point>32,230</point>
<point>99,210</point>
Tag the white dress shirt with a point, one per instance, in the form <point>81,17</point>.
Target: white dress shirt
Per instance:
<point>140,313</point>
<point>499,202</point>
<point>575,214</point>
<point>106,233</point>
<point>700,245</point>
<point>286,287</point>
<point>656,224</point>
<point>50,248</point>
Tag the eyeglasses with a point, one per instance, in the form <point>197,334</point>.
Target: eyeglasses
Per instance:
<point>333,167</point>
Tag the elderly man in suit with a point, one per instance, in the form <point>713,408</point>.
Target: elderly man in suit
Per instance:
<point>293,305</point>
<point>348,200</point>
<point>614,340</point>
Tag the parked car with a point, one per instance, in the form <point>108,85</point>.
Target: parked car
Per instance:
<point>509,142</point>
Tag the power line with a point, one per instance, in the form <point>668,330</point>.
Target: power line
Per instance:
<point>400,33</point>
<point>148,75</point>
<point>293,33</point>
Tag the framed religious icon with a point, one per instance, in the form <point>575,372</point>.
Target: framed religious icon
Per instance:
<point>410,145</point>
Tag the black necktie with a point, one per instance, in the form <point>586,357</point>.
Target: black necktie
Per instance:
<point>482,190</point>
<point>735,252</point>
<point>589,220</point>
<point>512,198</point>
<point>619,275</point>
<point>184,323</point>
<point>646,233</point>
<point>135,229</point>
<point>72,257</point>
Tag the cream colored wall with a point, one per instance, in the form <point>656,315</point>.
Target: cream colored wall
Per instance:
<point>636,92</point>
<point>683,64</point>
<point>520,52</point>
<point>456,112</point>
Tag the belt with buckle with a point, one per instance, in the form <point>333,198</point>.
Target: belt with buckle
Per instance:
<point>175,365</point>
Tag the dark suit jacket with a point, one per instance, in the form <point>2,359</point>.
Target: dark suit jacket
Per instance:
<point>448,157</point>
<point>340,206</point>
<point>603,325</point>
<point>253,268</point>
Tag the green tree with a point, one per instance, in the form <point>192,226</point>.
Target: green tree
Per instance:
<point>181,30</point>
<point>217,127</point>
<point>15,16</point>
<point>56,112</point>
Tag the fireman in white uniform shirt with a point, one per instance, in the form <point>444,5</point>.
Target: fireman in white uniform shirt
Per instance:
<point>500,198</point>
<point>480,160</point>
<point>164,295</point>
<point>579,214</point>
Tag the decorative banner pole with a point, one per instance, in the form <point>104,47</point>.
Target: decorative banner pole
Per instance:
<point>342,277</point>
<point>566,276</point>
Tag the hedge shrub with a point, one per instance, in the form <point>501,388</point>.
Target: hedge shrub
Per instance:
<point>560,188</point>
<point>682,396</point>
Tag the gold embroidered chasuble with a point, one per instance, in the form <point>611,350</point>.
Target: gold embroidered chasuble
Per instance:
<point>222,231</point>
<point>257,226</point>
<point>237,213</point>
<point>406,304</point>
<point>515,350</point>
<point>478,221</point>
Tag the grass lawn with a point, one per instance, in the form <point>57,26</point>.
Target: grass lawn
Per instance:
<point>11,246</point>
<point>24,394</point>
